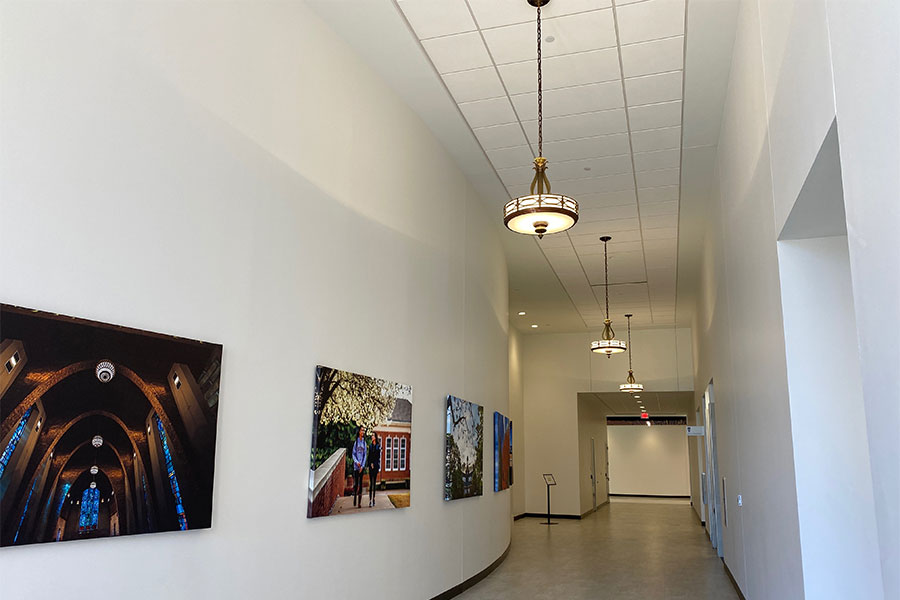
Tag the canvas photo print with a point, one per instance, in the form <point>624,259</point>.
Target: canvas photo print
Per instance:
<point>463,470</point>
<point>104,430</point>
<point>503,464</point>
<point>361,444</point>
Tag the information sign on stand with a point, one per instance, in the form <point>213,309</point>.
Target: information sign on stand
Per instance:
<point>549,480</point>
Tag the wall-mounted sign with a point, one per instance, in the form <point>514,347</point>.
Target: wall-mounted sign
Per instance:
<point>696,430</point>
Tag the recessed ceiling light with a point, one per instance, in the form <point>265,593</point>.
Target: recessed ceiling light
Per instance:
<point>534,326</point>
<point>521,313</point>
<point>587,168</point>
<point>636,397</point>
<point>549,39</point>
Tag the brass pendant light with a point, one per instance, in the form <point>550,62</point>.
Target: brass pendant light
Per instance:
<point>607,344</point>
<point>540,212</point>
<point>630,386</point>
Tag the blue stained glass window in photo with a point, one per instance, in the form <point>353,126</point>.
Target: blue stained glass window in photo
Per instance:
<point>90,510</point>
<point>62,497</point>
<point>173,480</point>
<point>14,441</point>
<point>25,510</point>
<point>146,502</point>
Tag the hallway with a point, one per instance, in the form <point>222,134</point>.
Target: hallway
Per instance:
<point>626,550</point>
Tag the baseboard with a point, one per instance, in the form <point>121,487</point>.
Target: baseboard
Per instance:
<point>460,588</point>
<point>648,496</point>
<point>699,520</point>
<point>734,582</point>
<point>519,516</point>
<point>552,516</point>
<point>599,506</point>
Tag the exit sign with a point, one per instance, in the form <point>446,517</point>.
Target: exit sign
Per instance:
<point>645,415</point>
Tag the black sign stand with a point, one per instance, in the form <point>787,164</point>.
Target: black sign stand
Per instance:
<point>549,480</point>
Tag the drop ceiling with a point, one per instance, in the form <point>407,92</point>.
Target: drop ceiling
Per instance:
<point>613,74</point>
<point>616,77</point>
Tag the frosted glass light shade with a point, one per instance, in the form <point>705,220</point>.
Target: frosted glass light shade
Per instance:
<point>608,346</point>
<point>540,214</point>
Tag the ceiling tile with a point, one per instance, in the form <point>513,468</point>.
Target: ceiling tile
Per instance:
<point>608,227</point>
<point>650,20</point>
<point>483,113</point>
<point>658,194</point>
<point>660,159</point>
<point>657,56</point>
<point>577,169</point>
<point>660,233</point>
<point>655,116</point>
<point>505,158</point>
<point>653,209</point>
<point>605,200</point>
<point>476,84</point>
<point>457,52</point>
<point>650,89</point>
<point>611,183</point>
<point>574,33</point>
<point>588,147</point>
<point>583,242</point>
<point>656,139</point>
<point>496,13</point>
<point>626,211</point>
<point>577,126</point>
<point>562,71</point>
<point>573,100</point>
<point>500,136</point>
<point>585,249</point>
<point>657,222</point>
<point>662,177</point>
<point>669,245</point>
<point>554,241</point>
<point>430,18</point>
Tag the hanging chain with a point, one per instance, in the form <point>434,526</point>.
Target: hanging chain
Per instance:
<point>540,90</point>
<point>606,278</point>
<point>629,345</point>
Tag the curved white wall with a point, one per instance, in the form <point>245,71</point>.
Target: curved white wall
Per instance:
<point>233,172</point>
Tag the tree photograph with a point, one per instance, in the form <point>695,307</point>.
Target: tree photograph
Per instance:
<point>463,463</point>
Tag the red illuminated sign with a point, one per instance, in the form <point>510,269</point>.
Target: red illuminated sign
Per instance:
<point>645,415</point>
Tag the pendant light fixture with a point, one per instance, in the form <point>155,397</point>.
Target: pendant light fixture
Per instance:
<point>630,385</point>
<point>607,344</point>
<point>540,212</point>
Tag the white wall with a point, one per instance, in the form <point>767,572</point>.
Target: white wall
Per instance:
<point>648,461</point>
<point>739,338</point>
<point>828,421</point>
<point>233,172</point>
<point>796,65</point>
<point>559,366</point>
<point>517,415</point>
<point>865,54</point>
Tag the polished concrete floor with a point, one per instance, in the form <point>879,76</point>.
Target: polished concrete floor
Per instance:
<point>626,550</point>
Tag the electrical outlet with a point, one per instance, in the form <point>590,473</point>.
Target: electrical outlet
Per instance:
<point>740,500</point>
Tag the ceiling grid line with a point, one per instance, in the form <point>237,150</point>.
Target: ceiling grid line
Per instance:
<point>633,168</point>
